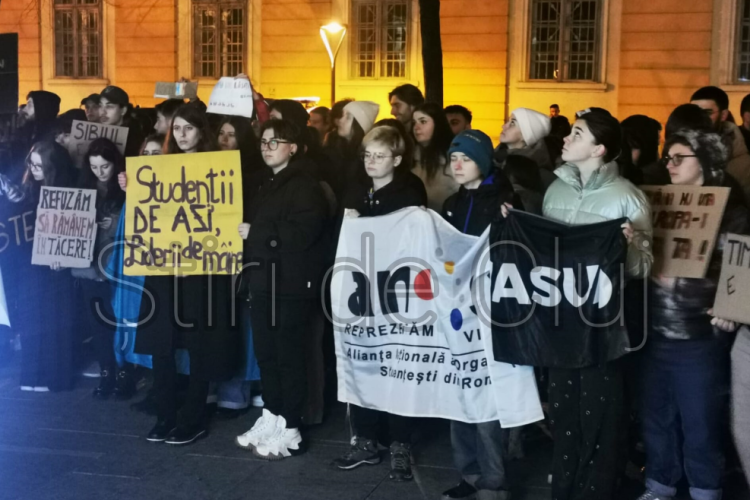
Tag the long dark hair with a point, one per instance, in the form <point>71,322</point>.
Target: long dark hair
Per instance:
<point>247,144</point>
<point>56,165</point>
<point>436,151</point>
<point>197,118</point>
<point>114,196</point>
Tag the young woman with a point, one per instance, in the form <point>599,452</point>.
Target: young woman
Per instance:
<point>47,309</point>
<point>211,342</point>
<point>685,364</point>
<point>101,167</point>
<point>284,231</point>
<point>236,133</point>
<point>478,449</point>
<point>433,136</point>
<point>389,186</point>
<point>586,404</point>
<point>523,135</point>
<point>153,145</point>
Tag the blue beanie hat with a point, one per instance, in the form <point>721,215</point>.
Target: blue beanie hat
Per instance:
<point>476,145</point>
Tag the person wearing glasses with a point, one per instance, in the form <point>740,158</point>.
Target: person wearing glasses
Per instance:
<point>685,364</point>
<point>285,249</point>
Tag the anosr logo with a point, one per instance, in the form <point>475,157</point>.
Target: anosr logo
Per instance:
<point>360,301</point>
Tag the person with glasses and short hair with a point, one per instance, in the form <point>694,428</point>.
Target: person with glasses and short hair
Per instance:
<point>684,366</point>
<point>284,255</point>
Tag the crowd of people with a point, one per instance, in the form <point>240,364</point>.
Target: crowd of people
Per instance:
<point>302,174</point>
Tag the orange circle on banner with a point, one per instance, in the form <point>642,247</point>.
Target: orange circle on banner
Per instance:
<point>449,266</point>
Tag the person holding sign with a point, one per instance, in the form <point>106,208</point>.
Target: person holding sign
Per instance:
<point>685,364</point>
<point>190,312</point>
<point>285,250</point>
<point>115,109</point>
<point>586,403</point>
<point>102,164</point>
<point>47,343</point>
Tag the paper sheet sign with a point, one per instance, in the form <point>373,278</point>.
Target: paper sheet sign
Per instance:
<point>232,96</point>
<point>65,227</point>
<point>686,220</point>
<point>82,134</point>
<point>734,282</point>
<point>182,214</point>
<point>176,90</point>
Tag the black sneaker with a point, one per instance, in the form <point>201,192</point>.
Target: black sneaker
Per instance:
<point>125,386</point>
<point>362,452</point>
<point>186,435</point>
<point>161,431</point>
<point>463,491</point>
<point>401,462</point>
<point>106,385</point>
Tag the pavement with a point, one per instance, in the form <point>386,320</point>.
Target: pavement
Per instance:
<point>70,446</point>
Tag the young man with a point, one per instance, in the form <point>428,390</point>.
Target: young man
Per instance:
<point>715,103</point>
<point>164,112</point>
<point>320,119</point>
<point>404,100</point>
<point>114,107</point>
<point>554,111</point>
<point>459,118</point>
<point>91,105</point>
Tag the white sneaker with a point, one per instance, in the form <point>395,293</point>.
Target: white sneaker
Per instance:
<point>41,389</point>
<point>27,388</point>
<point>281,444</point>
<point>92,371</point>
<point>257,401</point>
<point>263,427</point>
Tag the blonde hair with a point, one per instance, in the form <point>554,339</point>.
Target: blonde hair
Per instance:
<point>389,136</point>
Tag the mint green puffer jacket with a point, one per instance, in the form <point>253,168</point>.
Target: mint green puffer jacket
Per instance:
<point>605,196</point>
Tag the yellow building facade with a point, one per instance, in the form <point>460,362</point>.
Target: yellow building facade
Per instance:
<point>629,56</point>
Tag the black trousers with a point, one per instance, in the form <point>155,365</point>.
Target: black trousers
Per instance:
<point>381,426</point>
<point>192,412</point>
<point>587,416</point>
<point>279,331</point>
<point>94,320</point>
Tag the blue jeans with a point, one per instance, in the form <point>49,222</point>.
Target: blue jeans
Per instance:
<point>479,454</point>
<point>684,394</point>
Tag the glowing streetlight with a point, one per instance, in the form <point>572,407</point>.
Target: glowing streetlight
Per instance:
<point>333,36</point>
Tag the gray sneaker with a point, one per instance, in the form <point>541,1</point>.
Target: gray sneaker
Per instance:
<point>401,462</point>
<point>362,452</point>
<point>650,495</point>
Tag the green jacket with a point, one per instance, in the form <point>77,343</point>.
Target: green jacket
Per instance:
<point>605,196</point>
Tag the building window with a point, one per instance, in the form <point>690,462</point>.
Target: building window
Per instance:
<point>78,38</point>
<point>743,45</point>
<point>379,38</point>
<point>219,36</point>
<point>565,40</point>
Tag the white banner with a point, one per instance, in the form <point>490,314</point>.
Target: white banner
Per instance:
<point>232,96</point>
<point>408,339</point>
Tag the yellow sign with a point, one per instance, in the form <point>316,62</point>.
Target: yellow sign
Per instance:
<point>182,214</point>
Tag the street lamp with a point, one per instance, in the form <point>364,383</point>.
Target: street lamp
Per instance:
<point>333,35</point>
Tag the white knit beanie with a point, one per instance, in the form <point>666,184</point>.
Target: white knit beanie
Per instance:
<point>535,126</point>
<point>365,112</point>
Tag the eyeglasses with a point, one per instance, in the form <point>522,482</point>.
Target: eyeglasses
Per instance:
<point>34,166</point>
<point>676,159</point>
<point>271,145</point>
<point>376,158</point>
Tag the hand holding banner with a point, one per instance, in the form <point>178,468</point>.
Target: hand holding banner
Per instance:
<point>232,96</point>
<point>182,214</point>
<point>65,227</point>
<point>686,221</point>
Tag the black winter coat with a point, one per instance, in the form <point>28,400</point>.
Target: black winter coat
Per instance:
<point>288,217</point>
<point>471,211</point>
<point>680,313</point>
<point>405,190</point>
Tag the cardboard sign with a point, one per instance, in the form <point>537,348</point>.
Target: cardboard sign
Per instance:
<point>686,220</point>
<point>65,227</point>
<point>182,214</point>
<point>176,90</point>
<point>232,96</point>
<point>82,134</point>
<point>734,282</point>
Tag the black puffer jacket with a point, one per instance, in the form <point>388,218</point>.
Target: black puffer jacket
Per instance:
<point>680,312</point>
<point>405,190</point>
<point>288,218</point>
<point>471,211</point>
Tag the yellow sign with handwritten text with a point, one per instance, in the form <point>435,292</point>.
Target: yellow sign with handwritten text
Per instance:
<point>182,214</point>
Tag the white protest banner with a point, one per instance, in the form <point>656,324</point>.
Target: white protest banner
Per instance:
<point>176,90</point>
<point>408,339</point>
<point>232,96</point>
<point>734,282</point>
<point>65,227</point>
<point>4,319</point>
<point>686,220</point>
<point>84,133</point>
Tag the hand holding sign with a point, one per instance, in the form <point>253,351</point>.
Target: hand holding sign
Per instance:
<point>232,96</point>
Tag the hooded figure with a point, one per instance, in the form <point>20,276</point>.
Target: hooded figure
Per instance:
<point>46,108</point>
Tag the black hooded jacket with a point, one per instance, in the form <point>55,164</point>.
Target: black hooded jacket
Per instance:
<point>471,211</point>
<point>286,247</point>
<point>46,109</point>
<point>405,190</point>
